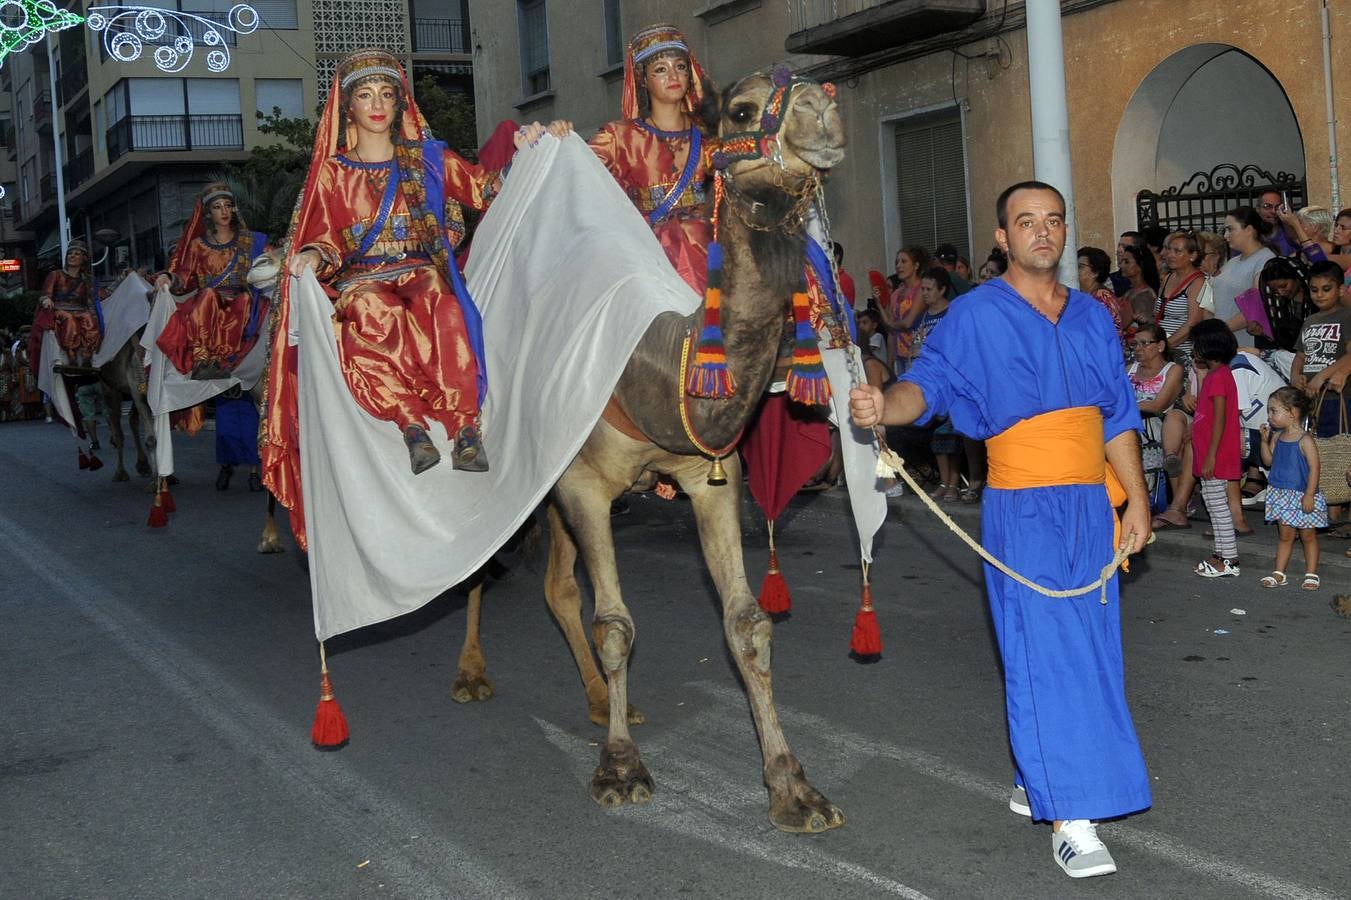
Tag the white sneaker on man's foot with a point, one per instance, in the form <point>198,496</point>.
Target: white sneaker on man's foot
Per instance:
<point>1018,801</point>
<point>1079,852</point>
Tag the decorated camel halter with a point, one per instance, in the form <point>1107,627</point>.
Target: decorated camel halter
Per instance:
<point>709,375</point>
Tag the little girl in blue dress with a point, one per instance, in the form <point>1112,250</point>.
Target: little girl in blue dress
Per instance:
<point>1293,498</point>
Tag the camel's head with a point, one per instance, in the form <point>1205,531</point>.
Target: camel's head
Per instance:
<point>774,123</point>
<point>265,271</point>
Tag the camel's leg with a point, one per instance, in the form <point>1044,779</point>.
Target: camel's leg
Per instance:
<point>112,401</point>
<point>565,602</point>
<point>141,415</point>
<point>794,805</point>
<point>270,542</point>
<point>471,683</point>
<point>583,497</point>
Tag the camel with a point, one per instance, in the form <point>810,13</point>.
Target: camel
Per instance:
<point>124,376</point>
<point>762,237</point>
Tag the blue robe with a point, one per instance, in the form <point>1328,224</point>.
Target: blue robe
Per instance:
<point>993,361</point>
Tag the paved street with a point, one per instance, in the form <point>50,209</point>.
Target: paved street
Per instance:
<point>159,688</point>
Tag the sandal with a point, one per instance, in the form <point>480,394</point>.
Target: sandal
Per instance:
<point>1274,580</point>
<point>938,492</point>
<point>970,493</point>
<point>1164,521</point>
<point>1217,567</point>
<point>1311,581</point>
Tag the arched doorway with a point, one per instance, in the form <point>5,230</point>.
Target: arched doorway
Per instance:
<point>1205,106</point>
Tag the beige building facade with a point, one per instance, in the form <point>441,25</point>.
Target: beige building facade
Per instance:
<point>936,100</point>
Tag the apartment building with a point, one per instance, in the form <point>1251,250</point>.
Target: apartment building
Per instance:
<point>1174,113</point>
<point>137,143</point>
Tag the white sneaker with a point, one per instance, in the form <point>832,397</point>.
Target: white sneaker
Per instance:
<point>1018,801</point>
<point>1079,852</point>
<point>1257,499</point>
<point>896,490</point>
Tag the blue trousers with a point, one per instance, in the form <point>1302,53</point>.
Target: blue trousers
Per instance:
<point>236,432</point>
<point>1073,741</point>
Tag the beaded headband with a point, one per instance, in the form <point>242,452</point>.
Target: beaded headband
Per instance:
<point>368,72</point>
<point>649,52</point>
<point>212,197</point>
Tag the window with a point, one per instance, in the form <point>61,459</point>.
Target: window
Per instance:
<point>614,34</point>
<point>26,181</point>
<point>279,93</point>
<point>534,47</point>
<point>6,130</point>
<point>931,180</point>
<point>279,14</point>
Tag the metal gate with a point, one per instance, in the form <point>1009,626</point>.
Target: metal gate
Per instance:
<point>1200,202</point>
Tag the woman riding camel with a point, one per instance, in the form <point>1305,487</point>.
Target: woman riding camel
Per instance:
<point>377,221</point>
<point>211,333</point>
<point>67,308</point>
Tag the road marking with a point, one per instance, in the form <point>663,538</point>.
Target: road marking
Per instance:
<point>692,802</point>
<point>844,744</point>
<point>414,860</point>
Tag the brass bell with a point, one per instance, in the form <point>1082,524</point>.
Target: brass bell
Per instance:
<point>716,474</point>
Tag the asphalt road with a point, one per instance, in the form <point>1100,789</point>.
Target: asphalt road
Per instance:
<point>158,688</point>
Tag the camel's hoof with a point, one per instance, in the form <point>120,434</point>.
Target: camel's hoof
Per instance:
<point>794,805</point>
<point>121,475</point>
<point>471,688</point>
<point>600,715</point>
<point>271,545</point>
<point>142,468</point>
<point>621,776</point>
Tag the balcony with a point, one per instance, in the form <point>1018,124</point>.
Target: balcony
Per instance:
<point>79,170</point>
<point>42,109</point>
<point>860,27</point>
<point>72,81</point>
<point>443,35</point>
<point>133,133</point>
<point>47,188</point>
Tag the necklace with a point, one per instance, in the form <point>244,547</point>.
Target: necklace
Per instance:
<point>376,174</point>
<point>675,140</point>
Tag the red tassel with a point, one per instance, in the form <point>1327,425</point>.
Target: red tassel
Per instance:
<point>84,460</point>
<point>330,726</point>
<point>867,638</point>
<point>167,501</point>
<point>157,517</point>
<point>95,463</point>
<point>774,596</point>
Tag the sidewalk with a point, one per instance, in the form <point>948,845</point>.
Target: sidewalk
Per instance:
<point>1256,551</point>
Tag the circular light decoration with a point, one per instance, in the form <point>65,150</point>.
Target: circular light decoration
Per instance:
<point>25,22</point>
<point>127,29</point>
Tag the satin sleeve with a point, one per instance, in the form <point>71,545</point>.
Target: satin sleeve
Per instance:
<point>322,229</point>
<point>606,147</point>
<point>49,284</point>
<point>470,184</point>
<point>187,276</point>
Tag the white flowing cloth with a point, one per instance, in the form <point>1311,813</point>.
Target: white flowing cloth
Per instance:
<point>169,389</point>
<point>54,385</point>
<point>124,313</point>
<point>568,277</point>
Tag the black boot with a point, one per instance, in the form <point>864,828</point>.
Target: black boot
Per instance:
<point>223,479</point>
<point>422,453</point>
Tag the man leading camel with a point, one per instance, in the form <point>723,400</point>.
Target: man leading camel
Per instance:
<point>1035,369</point>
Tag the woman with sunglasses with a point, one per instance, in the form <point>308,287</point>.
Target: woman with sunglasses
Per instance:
<point>1158,383</point>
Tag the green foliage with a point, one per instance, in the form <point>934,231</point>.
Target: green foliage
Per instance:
<point>449,115</point>
<point>267,183</point>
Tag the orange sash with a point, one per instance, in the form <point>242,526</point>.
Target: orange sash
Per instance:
<point>1055,448</point>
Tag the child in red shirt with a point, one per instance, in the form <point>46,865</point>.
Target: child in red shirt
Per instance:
<point>1216,449</point>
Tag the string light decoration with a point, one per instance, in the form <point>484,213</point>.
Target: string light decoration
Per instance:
<point>26,22</point>
<point>127,29</point>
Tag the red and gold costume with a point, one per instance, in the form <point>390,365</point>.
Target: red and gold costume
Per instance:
<point>650,163</point>
<point>409,337</point>
<point>76,326</point>
<point>218,326</point>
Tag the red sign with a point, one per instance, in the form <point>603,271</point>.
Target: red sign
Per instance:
<point>10,265</point>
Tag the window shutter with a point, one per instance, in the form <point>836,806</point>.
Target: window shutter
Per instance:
<point>931,181</point>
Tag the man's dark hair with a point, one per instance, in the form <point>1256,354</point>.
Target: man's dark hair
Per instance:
<point>1133,235</point>
<point>1001,206</point>
<point>839,253</point>
<point>1154,236</point>
<point>1213,342</point>
<point>946,253</point>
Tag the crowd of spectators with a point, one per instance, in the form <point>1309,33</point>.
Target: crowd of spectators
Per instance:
<point>19,395</point>
<point>1211,326</point>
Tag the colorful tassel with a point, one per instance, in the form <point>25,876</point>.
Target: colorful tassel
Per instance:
<point>709,375</point>
<point>330,725</point>
<point>158,518</point>
<point>95,463</point>
<point>774,597</point>
<point>807,382</point>
<point>867,638</point>
<point>167,501</point>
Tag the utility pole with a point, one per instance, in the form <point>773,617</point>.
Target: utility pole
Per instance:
<point>1050,119</point>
